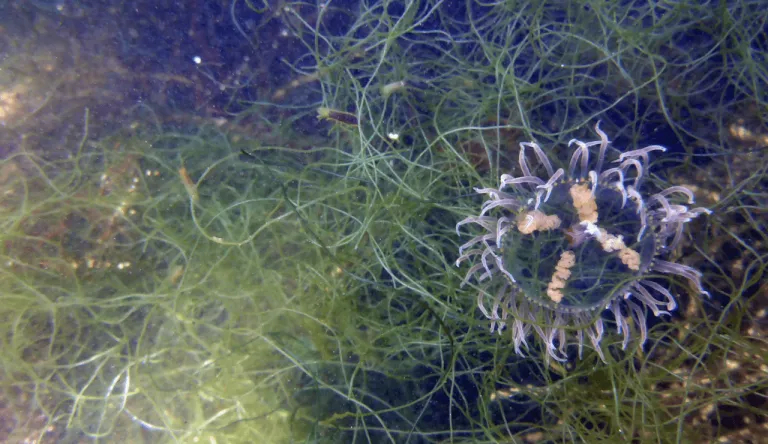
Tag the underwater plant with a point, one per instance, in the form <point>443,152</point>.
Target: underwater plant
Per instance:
<point>569,245</point>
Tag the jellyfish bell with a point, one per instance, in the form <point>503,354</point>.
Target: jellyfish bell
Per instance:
<point>560,247</point>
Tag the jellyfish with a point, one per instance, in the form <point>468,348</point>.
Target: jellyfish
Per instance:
<point>560,252</point>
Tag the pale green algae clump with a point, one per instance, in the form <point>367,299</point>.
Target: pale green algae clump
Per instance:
<point>122,317</point>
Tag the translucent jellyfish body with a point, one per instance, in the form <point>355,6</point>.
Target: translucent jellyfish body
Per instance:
<point>559,247</point>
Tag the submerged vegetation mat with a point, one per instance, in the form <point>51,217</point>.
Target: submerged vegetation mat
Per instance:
<point>290,276</point>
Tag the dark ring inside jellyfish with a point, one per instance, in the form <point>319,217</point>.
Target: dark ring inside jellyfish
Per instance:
<point>597,277</point>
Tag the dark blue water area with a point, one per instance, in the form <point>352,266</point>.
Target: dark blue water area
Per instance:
<point>234,39</point>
